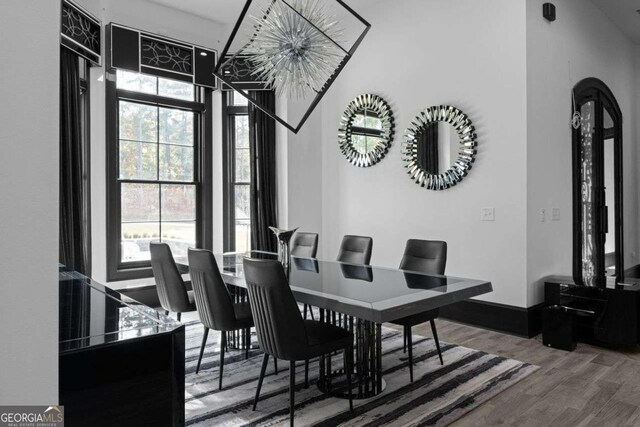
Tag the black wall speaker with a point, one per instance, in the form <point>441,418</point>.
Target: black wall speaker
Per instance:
<point>549,12</point>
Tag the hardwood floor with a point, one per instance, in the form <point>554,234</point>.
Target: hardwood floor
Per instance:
<point>590,386</point>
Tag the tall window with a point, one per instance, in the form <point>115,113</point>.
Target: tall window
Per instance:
<point>237,173</point>
<point>157,182</point>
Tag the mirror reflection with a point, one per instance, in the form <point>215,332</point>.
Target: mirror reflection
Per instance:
<point>438,145</point>
<point>366,130</point>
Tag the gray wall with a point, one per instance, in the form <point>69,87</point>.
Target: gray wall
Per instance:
<point>29,126</point>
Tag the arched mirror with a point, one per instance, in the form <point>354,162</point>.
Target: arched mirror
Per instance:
<point>439,147</point>
<point>366,130</point>
<point>598,254</point>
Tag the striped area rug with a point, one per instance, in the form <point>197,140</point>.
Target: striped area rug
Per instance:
<point>438,396</point>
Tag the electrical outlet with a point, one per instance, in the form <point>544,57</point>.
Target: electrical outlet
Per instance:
<point>543,215</point>
<point>555,214</point>
<point>487,214</point>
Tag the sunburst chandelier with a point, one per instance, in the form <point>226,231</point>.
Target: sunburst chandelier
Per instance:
<point>294,55</point>
<point>295,47</point>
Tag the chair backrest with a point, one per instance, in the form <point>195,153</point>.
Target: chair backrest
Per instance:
<point>214,304</point>
<point>425,256</point>
<point>172,291</point>
<point>356,249</point>
<point>279,324</point>
<point>305,245</point>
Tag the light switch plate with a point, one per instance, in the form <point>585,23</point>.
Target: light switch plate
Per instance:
<point>487,214</point>
<point>555,214</point>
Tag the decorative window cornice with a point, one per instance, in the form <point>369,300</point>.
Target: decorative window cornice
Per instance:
<point>81,32</point>
<point>142,52</point>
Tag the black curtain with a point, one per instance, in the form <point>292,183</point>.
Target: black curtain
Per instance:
<point>262,143</point>
<point>428,149</point>
<point>74,233</point>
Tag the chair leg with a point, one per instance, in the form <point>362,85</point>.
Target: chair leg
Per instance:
<point>404,339</point>
<point>410,346</point>
<point>247,342</point>
<point>265,362</point>
<point>223,344</point>
<point>179,315</point>
<point>275,365</point>
<point>435,338</point>
<point>204,343</point>
<point>304,311</point>
<point>348,358</point>
<point>292,389</point>
<point>306,373</point>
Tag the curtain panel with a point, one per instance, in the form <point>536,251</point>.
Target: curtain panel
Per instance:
<point>262,143</point>
<point>74,246</point>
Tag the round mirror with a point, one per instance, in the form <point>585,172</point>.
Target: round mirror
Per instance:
<point>439,147</point>
<point>366,130</point>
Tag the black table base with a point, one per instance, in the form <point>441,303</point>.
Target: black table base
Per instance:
<point>367,378</point>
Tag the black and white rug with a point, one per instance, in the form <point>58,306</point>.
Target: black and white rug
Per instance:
<point>438,396</point>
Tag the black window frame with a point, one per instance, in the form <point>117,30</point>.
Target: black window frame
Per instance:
<point>229,113</point>
<point>203,129</point>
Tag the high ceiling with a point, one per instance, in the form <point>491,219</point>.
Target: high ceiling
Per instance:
<point>624,14</point>
<point>223,11</point>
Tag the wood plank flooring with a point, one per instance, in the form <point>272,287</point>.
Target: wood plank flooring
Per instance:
<point>590,386</point>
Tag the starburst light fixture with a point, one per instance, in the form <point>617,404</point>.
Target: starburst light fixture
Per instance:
<point>294,55</point>
<point>295,47</point>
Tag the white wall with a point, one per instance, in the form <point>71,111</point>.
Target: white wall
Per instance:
<point>29,131</point>
<point>401,59</point>
<point>304,177</point>
<point>584,37</point>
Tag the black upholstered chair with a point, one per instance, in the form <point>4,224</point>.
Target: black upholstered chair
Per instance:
<point>283,333</point>
<point>172,290</point>
<point>304,245</point>
<point>216,308</point>
<point>355,250</point>
<point>422,256</point>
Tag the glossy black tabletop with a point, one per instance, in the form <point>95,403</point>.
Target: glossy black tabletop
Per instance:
<point>92,314</point>
<point>376,294</point>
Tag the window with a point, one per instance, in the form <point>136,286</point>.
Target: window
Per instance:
<point>159,181</point>
<point>237,173</point>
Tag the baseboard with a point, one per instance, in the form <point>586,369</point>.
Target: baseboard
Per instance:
<point>525,322</point>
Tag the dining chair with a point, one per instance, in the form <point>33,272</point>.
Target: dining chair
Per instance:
<point>172,290</point>
<point>283,333</point>
<point>305,245</point>
<point>355,250</point>
<point>216,309</point>
<point>422,256</point>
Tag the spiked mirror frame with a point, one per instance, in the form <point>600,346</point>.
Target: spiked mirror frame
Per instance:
<point>345,131</point>
<point>466,153</point>
<point>228,56</point>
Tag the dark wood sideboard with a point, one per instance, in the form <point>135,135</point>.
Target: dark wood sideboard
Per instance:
<point>120,362</point>
<point>606,316</point>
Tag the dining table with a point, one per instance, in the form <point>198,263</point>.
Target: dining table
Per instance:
<point>359,298</point>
